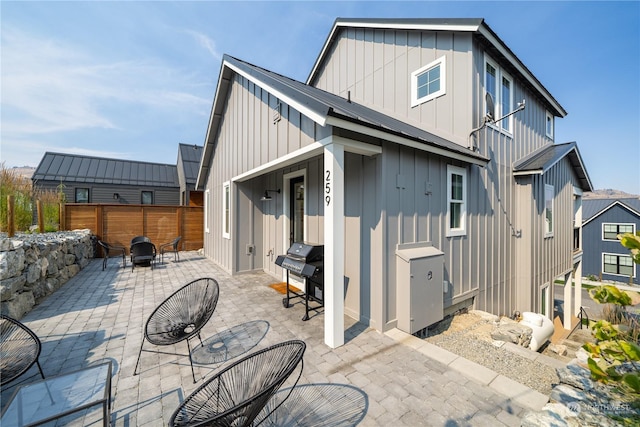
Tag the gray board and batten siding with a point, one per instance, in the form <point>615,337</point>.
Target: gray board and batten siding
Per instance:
<point>104,177</point>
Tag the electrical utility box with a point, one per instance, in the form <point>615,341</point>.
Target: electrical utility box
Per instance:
<point>420,286</point>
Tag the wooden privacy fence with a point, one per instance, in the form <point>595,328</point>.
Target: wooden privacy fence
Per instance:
<point>118,224</point>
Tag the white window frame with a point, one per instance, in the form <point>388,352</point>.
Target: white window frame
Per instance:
<point>617,224</point>
<point>462,230</point>
<point>226,210</point>
<point>500,109</point>
<point>548,228</point>
<point>440,62</point>
<point>633,266</point>
<point>549,125</point>
<point>206,210</point>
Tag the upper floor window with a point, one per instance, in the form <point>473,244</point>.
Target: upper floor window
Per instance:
<point>611,231</point>
<point>147,198</point>
<point>456,201</point>
<point>428,82</point>
<point>548,210</point>
<point>549,125</point>
<point>499,85</point>
<point>226,210</point>
<point>82,195</point>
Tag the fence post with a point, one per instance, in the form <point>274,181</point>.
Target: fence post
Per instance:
<point>62,220</point>
<point>40,216</point>
<point>11,224</point>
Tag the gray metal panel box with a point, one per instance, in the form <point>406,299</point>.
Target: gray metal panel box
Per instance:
<point>419,278</point>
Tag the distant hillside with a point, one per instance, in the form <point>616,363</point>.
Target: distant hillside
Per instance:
<point>608,194</point>
<point>25,171</point>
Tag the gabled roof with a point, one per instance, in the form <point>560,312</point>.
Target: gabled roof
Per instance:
<point>87,169</point>
<point>323,108</point>
<point>189,157</point>
<point>477,26</point>
<point>593,208</point>
<point>541,160</point>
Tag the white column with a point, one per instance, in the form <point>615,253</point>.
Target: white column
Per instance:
<point>568,291</point>
<point>333,201</point>
<point>578,288</point>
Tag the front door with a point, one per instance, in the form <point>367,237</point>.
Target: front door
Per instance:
<point>296,210</point>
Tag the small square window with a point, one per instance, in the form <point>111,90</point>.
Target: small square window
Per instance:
<point>82,195</point>
<point>147,198</point>
<point>428,82</point>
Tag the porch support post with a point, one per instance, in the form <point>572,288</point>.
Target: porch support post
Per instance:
<point>568,291</point>
<point>577,277</point>
<point>333,201</point>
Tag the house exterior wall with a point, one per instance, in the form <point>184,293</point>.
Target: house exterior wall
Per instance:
<point>247,139</point>
<point>103,193</point>
<point>595,246</point>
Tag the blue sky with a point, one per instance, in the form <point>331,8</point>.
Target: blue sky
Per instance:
<point>133,79</point>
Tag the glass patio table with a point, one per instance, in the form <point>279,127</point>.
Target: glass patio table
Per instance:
<point>52,398</point>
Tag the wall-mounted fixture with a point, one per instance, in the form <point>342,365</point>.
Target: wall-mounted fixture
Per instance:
<point>116,196</point>
<point>267,196</point>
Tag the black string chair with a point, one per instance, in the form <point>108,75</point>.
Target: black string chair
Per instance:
<point>108,248</point>
<point>19,349</point>
<point>170,247</point>
<point>236,395</point>
<point>182,316</point>
<point>143,253</point>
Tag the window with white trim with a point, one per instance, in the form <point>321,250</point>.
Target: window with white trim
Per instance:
<point>226,210</point>
<point>206,211</point>
<point>500,85</point>
<point>618,264</point>
<point>548,210</point>
<point>456,201</point>
<point>428,82</point>
<point>549,125</point>
<point>611,231</point>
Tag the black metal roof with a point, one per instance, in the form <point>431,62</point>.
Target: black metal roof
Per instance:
<point>541,160</point>
<point>328,104</point>
<point>592,208</point>
<point>190,156</point>
<point>88,169</point>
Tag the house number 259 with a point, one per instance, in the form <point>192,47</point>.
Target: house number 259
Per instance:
<point>327,188</point>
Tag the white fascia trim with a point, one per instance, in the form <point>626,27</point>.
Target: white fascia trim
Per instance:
<point>516,63</point>
<point>318,118</point>
<point>312,150</point>
<point>337,122</point>
<point>524,173</point>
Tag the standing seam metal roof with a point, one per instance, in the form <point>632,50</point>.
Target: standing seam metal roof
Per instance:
<point>76,168</point>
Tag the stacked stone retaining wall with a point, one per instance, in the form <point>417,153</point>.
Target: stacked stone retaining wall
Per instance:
<point>33,266</point>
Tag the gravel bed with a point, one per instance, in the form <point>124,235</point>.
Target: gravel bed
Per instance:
<point>468,336</point>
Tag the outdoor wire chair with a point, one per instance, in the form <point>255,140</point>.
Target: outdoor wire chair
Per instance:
<point>236,395</point>
<point>181,316</point>
<point>20,349</point>
<point>107,248</point>
<point>170,247</point>
<point>142,253</point>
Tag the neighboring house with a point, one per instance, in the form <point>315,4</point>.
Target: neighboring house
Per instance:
<point>188,165</point>
<point>88,179</point>
<point>604,257</point>
<point>387,155</point>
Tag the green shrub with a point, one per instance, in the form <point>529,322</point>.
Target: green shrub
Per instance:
<point>20,187</point>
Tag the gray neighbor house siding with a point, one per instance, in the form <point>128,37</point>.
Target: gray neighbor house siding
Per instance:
<point>266,129</point>
<point>613,212</point>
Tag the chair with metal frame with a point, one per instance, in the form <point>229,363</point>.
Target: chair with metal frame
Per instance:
<point>108,248</point>
<point>182,316</point>
<point>170,247</point>
<point>20,349</point>
<point>237,394</point>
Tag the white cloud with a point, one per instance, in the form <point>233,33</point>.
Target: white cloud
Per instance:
<point>52,86</point>
<point>207,43</point>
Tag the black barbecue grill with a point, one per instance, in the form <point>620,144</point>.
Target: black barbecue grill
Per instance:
<point>305,260</point>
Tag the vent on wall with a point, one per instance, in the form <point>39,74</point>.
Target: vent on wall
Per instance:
<point>277,115</point>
